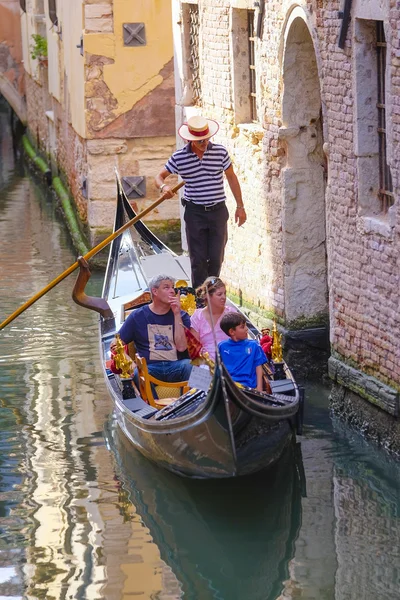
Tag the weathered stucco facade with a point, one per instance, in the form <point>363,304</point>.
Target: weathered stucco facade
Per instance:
<point>294,86</point>
<point>11,67</point>
<point>103,99</point>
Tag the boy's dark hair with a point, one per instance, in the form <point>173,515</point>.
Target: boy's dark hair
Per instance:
<point>231,320</point>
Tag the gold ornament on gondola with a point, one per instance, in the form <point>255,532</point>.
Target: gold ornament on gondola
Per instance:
<point>122,361</point>
<point>188,303</point>
<point>209,361</point>
<point>188,300</point>
<point>276,350</point>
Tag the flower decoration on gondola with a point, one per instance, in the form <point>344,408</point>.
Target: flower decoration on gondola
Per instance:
<point>188,297</point>
<point>193,345</point>
<point>197,354</point>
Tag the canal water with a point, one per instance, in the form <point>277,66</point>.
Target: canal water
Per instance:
<point>82,516</point>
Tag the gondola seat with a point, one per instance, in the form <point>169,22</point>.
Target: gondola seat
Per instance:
<point>167,392</point>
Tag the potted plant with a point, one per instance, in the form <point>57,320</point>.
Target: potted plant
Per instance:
<point>39,48</point>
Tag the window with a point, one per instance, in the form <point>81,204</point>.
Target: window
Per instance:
<point>22,4</point>
<point>53,11</point>
<point>252,65</point>
<point>244,74</point>
<point>39,7</point>
<point>192,94</point>
<point>375,189</point>
<point>194,60</point>
<point>385,178</point>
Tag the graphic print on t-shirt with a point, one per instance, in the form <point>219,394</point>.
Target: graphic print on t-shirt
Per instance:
<point>161,342</point>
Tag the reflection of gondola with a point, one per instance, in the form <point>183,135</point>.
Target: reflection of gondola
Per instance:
<point>229,540</point>
<point>223,433</point>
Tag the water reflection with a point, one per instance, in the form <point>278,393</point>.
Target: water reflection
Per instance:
<point>351,525</point>
<point>7,158</point>
<point>223,539</point>
<point>366,496</point>
<point>62,530</point>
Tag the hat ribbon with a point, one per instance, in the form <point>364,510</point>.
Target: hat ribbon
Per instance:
<point>199,133</point>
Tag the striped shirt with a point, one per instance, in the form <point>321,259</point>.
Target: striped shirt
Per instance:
<point>204,179</point>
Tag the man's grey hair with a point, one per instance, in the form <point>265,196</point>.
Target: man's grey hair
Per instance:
<point>155,281</point>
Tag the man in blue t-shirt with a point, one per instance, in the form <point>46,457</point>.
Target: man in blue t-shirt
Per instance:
<point>158,333</point>
<point>242,357</point>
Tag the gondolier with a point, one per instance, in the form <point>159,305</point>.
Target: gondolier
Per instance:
<point>202,164</point>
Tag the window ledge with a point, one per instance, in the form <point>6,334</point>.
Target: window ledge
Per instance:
<point>251,127</point>
<point>253,132</point>
<point>382,226</point>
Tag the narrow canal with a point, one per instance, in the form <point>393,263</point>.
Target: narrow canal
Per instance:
<point>82,517</point>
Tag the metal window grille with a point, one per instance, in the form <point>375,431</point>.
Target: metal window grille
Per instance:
<point>252,65</point>
<point>194,62</point>
<point>385,178</point>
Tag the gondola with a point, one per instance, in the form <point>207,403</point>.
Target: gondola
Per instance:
<point>223,432</point>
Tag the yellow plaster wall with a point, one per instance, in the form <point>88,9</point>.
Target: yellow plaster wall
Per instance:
<point>71,16</point>
<point>135,71</point>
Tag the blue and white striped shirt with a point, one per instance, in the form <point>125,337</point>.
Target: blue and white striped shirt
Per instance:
<point>204,179</point>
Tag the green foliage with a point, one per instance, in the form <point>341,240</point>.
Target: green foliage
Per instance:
<point>39,48</point>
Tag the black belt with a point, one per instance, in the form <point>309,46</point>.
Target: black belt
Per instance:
<point>205,207</point>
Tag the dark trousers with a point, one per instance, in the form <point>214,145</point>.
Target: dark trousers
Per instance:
<point>207,234</point>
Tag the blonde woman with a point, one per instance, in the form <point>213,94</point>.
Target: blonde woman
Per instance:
<point>213,294</point>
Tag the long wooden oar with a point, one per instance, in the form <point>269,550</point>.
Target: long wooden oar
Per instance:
<point>87,256</point>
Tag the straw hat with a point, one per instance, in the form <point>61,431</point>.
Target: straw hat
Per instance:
<point>198,128</point>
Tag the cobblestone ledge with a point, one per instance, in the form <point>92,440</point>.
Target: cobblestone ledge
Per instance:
<point>367,387</point>
<point>372,423</point>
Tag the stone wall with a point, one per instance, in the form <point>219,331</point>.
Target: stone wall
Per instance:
<point>271,259</point>
<point>38,103</point>
<point>94,161</point>
<point>48,124</point>
<point>132,157</point>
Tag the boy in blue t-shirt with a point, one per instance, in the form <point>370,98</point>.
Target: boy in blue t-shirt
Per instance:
<point>242,357</point>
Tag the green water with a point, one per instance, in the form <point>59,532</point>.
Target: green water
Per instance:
<point>83,516</point>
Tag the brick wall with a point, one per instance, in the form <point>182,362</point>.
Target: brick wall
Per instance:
<point>38,101</point>
<point>362,250</point>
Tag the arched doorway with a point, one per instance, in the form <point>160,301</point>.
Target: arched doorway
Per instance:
<point>303,180</point>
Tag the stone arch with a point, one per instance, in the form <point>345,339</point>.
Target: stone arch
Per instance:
<point>303,177</point>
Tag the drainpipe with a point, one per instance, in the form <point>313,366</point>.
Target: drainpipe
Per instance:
<point>62,195</point>
<point>260,16</point>
<point>346,16</point>
<point>39,162</point>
